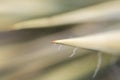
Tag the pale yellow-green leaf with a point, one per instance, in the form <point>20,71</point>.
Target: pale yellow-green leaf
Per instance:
<point>13,11</point>
<point>76,69</point>
<point>99,12</point>
<point>105,42</point>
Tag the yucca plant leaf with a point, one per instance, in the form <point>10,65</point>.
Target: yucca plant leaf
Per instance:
<point>101,12</point>
<point>15,11</point>
<point>90,28</point>
<point>105,42</point>
<point>76,69</point>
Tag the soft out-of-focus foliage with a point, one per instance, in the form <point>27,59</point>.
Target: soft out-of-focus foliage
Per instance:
<point>18,10</point>
<point>104,11</point>
<point>28,54</point>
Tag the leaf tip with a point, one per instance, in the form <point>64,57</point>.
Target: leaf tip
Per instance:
<point>56,42</point>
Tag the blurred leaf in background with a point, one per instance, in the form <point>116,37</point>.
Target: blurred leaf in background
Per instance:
<point>29,26</point>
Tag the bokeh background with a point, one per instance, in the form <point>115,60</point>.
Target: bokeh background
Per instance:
<point>29,54</point>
